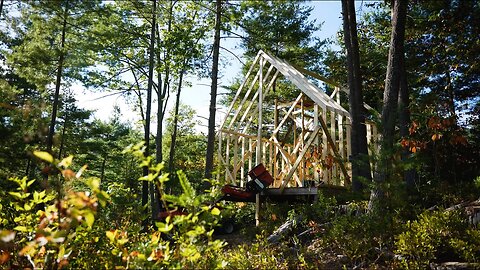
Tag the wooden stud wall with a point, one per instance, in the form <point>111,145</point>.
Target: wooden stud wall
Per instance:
<point>317,152</point>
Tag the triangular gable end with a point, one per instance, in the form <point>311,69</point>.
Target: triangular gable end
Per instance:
<point>314,144</point>
<point>308,88</point>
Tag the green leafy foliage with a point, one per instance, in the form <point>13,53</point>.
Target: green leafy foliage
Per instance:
<point>52,229</point>
<point>190,230</point>
<point>259,255</point>
<point>190,147</point>
<point>282,28</point>
<point>46,222</point>
<point>437,236</point>
<point>86,219</point>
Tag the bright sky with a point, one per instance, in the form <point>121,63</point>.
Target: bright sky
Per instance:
<point>198,96</point>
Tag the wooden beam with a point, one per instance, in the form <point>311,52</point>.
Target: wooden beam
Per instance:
<point>340,125</point>
<point>241,134</point>
<point>240,89</point>
<point>242,169</point>
<point>335,152</point>
<point>334,139</point>
<point>258,159</point>
<point>241,162</point>
<point>325,145</point>
<point>287,115</point>
<point>275,125</point>
<point>298,142</point>
<point>219,153</point>
<point>248,112</point>
<point>257,76</point>
<point>335,92</point>
<point>317,141</point>
<point>291,191</point>
<point>299,158</point>
<point>235,157</point>
<point>240,106</point>
<point>303,137</point>
<point>286,157</point>
<point>259,138</point>
<point>250,149</point>
<point>316,76</point>
<point>227,158</point>
<point>227,172</point>
<point>341,141</point>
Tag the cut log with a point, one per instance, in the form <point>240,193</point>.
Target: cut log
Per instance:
<point>463,205</point>
<point>283,229</point>
<point>454,266</point>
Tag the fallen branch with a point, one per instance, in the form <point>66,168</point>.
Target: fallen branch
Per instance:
<point>283,229</point>
<point>463,205</point>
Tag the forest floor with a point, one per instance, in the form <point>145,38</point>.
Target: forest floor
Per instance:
<point>235,239</point>
<point>242,232</point>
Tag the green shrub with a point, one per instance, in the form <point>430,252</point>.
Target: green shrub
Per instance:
<point>62,227</point>
<point>256,255</point>
<point>190,243</point>
<point>437,236</point>
<point>45,224</point>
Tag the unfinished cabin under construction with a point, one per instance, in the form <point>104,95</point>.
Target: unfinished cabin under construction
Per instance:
<point>302,140</point>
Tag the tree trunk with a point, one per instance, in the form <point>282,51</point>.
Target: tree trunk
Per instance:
<point>404,122</point>
<point>165,94</point>
<point>390,101</point>
<point>102,171</point>
<point>1,7</point>
<point>64,130</point>
<point>27,170</point>
<point>148,110</point>
<point>58,82</point>
<point>359,157</point>
<point>164,89</point>
<point>213,93</point>
<point>161,94</point>
<point>175,126</point>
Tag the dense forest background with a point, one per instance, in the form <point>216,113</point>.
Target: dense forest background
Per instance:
<point>79,192</point>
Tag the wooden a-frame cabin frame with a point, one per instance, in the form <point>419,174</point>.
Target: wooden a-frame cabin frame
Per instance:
<point>300,142</point>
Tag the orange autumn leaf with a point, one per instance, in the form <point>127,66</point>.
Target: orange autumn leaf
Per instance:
<point>458,139</point>
<point>156,255</point>
<point>405,143</point>
<point>62,263</point>
<point>436,136</point>
<point>42,251</point>
<point>413,127</point>
<point>25,250</point>
<point>329,161</point>
<point>4,256</point>
<point>68,174</point>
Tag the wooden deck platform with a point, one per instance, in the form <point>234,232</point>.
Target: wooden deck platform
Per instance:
<point>295,194</point>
